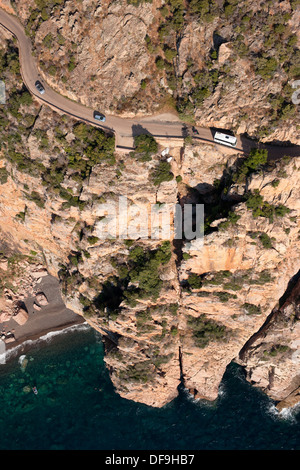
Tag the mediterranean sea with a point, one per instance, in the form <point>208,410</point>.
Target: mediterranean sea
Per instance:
<point>76,407</point>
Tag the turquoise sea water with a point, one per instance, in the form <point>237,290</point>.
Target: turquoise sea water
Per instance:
<point>76,407</point>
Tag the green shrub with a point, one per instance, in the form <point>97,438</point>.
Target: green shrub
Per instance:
<point>206,330</point>
<point>48,40</point>
<point>251,309</point>
<point>143,321</point>
<point>266,66</point>
<point>143,84</point>
<point>194,281</point>
<point>254,161</point>
<point>3,175</point>
<point>217,278</point>
<point>162,172</point>
<point>140,372</point>
<point>92,240</point>
<point>275,183</point>
<point>277,349</point>
<point>170,54</point>
<point>36,198</point>
<point>264,277</point>
<point>225,296</point>
<point>136,3</point>
<point>72,63</point>
<point>231,220</point>
<point>160,63</point>
<point>281,210</point>
<point>145,147</point>
<point>143,269</point>
<point>266,240</point>
<point>260,208</point>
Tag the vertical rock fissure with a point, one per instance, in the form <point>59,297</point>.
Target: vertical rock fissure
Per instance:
<point>180,365</point>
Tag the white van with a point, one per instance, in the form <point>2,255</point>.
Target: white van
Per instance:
<point>225,139</point>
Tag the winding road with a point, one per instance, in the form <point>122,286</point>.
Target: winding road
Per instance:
<point>124,129</point>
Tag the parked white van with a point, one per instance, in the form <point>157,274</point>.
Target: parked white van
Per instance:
<point>225,139</point>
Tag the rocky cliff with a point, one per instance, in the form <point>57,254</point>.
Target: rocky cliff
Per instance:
<point>239,277</point>
<point>224,64</point>
<point>170,311</point>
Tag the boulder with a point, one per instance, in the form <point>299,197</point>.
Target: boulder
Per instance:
<point>21,316</point>
<point>3,264</point>
<point>39,273</point>
<point>41,299</point>
<point>9,339</point>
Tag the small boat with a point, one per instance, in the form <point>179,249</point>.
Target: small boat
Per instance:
<point>35,391</point>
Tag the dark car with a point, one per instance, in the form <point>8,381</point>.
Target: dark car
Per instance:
<point>39,87</point>
<point>99,116</point>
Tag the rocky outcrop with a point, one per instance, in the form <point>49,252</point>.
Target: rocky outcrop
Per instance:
<point>241,280</point>
<point>21,315</point>
<point>18,279</point>
<point>271,356</point>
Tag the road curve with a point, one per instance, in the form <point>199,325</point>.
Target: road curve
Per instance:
<point>125,129</point>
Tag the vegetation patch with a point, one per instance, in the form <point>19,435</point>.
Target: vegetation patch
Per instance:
<point>276,349</point>
<point>3,175</point>
<point>251,309</point>
<point>227,280</point>
<point>162,172</point>
<point>260,208</point>
<point>140,372</point>
<point>206,330</point>
<point>145,147</point>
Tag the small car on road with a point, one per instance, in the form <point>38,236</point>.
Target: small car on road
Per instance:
<point>99,116</point>
<point>39,87</point>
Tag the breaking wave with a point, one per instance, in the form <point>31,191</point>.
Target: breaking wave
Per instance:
<point>13,352</point>
<point>286,414</point>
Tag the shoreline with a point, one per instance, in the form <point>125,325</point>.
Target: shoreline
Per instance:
<point>36,336</point>
<point>24,346</point>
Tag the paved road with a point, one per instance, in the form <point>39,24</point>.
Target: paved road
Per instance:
<point>125,129</point>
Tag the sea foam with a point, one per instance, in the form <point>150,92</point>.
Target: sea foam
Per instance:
<point>8,354</point>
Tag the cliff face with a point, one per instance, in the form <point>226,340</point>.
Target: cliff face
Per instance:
<point>169,311</point>
<point>271,356</point>
<point>238,278</point>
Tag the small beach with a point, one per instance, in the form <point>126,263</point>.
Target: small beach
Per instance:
<point>50,317</point>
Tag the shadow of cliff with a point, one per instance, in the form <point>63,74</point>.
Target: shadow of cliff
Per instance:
<point>138,129</point>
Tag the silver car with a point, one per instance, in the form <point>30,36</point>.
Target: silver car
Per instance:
<point>39,87</point>
<point>99,116</point>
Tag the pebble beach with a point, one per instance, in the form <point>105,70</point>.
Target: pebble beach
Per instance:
<point>40,312</point>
